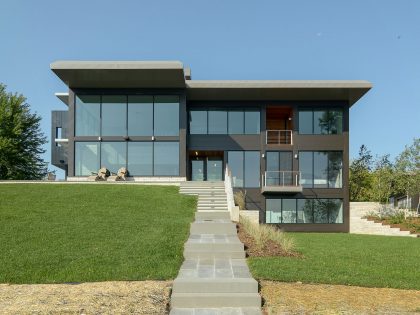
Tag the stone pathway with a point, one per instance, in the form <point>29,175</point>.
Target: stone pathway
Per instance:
<point>214,278</point>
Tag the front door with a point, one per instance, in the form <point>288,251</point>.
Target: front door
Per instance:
<point>207,168</point>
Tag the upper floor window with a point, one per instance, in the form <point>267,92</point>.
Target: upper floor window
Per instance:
<point>126,115</point>
<point>320,122</point>
<point>224,121</point>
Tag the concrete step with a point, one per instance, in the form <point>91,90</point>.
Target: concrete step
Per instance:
<point>218,285</point>
<point>213,226</point>
<point>205,254</point>
<point>217,311</point>
<point>213,243</point>
<point>215,208</point>
<point>213,300</point>
<point>211,214</point>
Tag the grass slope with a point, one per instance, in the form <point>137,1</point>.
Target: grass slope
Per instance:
<point>363,260</point>
<point>77,233</point>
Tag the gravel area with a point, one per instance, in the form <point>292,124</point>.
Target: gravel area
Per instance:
<point>297,298</point>
<point>116,297</point>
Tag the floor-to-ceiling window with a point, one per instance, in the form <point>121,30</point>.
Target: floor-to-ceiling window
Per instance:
<point>289,210</point>
<point>279,168</point>
<point>320,121</point>
<point>321,169</point>
<point>245,168</point>
<point>88,115</point>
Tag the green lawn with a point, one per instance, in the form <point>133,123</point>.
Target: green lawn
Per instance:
<point>76,233</point>
<point>363,260</point>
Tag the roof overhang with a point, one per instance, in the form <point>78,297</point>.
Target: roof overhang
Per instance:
<point>350,91</point>
<point>63,96</point>
<point>120,74</point>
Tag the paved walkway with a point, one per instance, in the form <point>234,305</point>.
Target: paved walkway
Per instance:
<point>214,278</point>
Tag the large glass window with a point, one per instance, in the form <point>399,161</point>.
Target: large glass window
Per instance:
<point>321,169</point>
<point>236,165</point>
<point>166,158</point>
<point>217,122</point>
<point>319,122</point>
<point>114,115</point>
<point>252,122</point>
<point>304,211</point>
<point>88,112</point>
<point>252,169</point>
<point>140,115</point>
<point>236,122</point>
<point>166,116</point>
<point>86,158</point>
<point>113,155</point>
<point>140,158</point>
<point>245,168</point>
<point>198,122</point>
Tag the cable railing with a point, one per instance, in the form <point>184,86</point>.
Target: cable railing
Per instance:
<point>281,178</point>
<point>279,136</point>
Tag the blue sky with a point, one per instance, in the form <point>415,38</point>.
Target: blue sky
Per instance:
<point>377,41</point>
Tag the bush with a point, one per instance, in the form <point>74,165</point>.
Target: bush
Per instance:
<point>240,199</point>
<point>262,233</point>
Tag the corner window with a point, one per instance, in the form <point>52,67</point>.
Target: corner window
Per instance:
<point>88,115</point>
<point>320,122</point>
<point>87,157</point>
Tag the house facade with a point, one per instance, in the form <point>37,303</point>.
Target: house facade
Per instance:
<point>286,143</point>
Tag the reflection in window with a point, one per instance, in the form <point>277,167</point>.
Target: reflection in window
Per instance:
<point>320,122</point>
<point>113,155</point>
<point>114,115</point>
<point>273,211</point>
<point>198,122</point>
<point>166,116</point>
<point>88,110</point>
<point>140,115</point>
<point>245,168</point>
<point>217,122</point>
<point>140,158</point>
<point>321,169</point>
<point>324,211</point>
<point>86,158</point>
<point>166,158</point>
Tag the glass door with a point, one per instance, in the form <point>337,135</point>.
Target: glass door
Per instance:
<point>214,169</point>
<point>197,169</point>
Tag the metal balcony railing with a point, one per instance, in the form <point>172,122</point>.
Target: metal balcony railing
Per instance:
<point>279,137</point>
<point>281,181</point>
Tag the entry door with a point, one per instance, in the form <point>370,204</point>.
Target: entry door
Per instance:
<point>197,169</point>
<point>207,169</point>
<point>214,169</point>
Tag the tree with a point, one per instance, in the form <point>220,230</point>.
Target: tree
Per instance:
<point>407,170</point>
<point>360,176</point>
<point>21,139</point>
<point>382,179</point>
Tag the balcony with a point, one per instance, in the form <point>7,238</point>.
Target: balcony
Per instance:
<point>281,181</point>
<point>278,137</point>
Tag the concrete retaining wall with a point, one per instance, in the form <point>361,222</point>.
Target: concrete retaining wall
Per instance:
<point>253,215</point>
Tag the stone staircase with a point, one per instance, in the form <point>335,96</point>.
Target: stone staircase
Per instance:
<point>359,225</point>
<point>214,278</point>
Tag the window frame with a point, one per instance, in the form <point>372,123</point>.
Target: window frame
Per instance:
<point>327,110</point>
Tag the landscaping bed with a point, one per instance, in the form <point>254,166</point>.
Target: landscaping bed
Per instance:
<point>56,233</point>
<point>118,297</point>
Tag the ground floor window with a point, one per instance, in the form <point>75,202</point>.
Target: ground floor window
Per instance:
<point>140,158</point>
<point>304,210</point>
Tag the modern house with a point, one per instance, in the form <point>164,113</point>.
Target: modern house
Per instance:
<point>286,143</point>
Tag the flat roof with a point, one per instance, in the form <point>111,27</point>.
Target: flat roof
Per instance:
<point>171,74</point>
<point>63,96</point>
<point>120,74</point>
